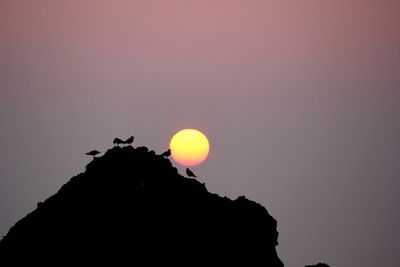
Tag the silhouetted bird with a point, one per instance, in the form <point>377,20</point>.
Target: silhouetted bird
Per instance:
<point>129,140</point>
<point>166,153</point>
<point>190,173</point>
<point>118,141</point>
<point>93,153</point>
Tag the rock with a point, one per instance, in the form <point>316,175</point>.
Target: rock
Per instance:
<point>318,265</point>
<point>131,206</point>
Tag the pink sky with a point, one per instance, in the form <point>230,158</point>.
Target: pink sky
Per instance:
<point>300,99</point>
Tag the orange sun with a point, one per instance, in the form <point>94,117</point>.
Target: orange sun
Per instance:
<point>189,147</point>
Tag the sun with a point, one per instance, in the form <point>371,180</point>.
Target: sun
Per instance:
<point>189,147</point>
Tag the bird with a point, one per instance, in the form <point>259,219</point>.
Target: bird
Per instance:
<point>190,173</point>
<point>129,140</point>
<point>118,141</point>
<point>166,154</point>
<point>93,153</point>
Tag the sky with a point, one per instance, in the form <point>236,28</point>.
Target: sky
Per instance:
<point>300,101</point>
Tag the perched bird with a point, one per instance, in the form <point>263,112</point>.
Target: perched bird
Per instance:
<point>118,141</point>
<point>93,153</point>
<point>129,140</point>
<point>190,173</point>
<point>166,154</point>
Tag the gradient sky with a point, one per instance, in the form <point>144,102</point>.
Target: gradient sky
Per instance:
<point>300,101</point>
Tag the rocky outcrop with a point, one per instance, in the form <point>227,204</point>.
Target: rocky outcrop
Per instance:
<point>133,206</point>
<point>318,265</point>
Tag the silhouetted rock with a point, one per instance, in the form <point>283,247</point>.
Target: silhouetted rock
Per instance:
<point>143,149</point>
<point>131,206</point>
<point>318,265</point>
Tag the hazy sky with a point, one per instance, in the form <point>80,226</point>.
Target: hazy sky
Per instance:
<point>300,101</point>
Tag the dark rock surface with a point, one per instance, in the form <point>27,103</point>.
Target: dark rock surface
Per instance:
<point>318,265</point>
<point>131,206</point>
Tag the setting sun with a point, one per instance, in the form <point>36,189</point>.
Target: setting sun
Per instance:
<point>189,147</point>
